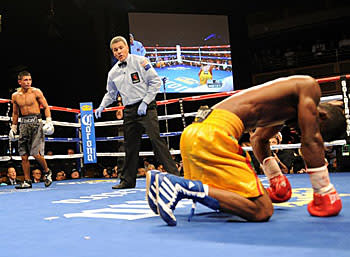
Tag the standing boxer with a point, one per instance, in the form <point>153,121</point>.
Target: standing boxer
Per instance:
<point>205,73</point>
<point>27,101</point>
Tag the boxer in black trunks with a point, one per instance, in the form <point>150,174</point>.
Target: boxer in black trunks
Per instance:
<point>27,101</point>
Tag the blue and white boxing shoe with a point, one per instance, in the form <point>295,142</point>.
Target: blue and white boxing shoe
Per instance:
<point>170,189</point>
<point>151,194</point>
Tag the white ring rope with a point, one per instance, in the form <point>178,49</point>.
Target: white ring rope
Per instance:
<point>59,123</point>
<point>66,124</point>
<point>206,52</point>
<point>173,152</point>
<point>297,146</point>
<point>47,157</point>
<point>162,52</point>
<point>4,118</point>
<point>331,98</point>
<point>209,63</point>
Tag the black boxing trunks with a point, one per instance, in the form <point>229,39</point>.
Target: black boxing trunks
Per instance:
<point>31,136</point>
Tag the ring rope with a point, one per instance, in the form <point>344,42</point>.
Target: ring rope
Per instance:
<point>297,146</point>
<point>77,139</point>
<point>207,52</point>
<point>192,98</point>
<point>171,116</point>
<point>150,153</point>
<point>164,117</point>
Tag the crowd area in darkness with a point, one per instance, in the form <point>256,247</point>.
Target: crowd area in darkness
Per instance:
<point>63,169</point>
<point>304,53</point>
<point>289,160</point>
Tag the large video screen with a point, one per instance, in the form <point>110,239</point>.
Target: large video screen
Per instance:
<point>190,52</point>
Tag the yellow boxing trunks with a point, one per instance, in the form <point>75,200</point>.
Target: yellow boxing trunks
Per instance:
<point>211,153</point>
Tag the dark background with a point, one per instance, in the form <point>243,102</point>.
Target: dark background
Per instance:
<point>166,29</point>
<point>65,44</point>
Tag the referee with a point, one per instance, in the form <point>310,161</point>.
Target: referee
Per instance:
<point>136,47</point>
<point>134,78</point>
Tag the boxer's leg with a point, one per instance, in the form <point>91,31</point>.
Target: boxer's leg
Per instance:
<point>37,149</point>
<point>27,183</point>
<point>47,172</point>
<point>171,189</point>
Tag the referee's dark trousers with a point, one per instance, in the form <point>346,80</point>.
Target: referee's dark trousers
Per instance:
<point>134,126</point>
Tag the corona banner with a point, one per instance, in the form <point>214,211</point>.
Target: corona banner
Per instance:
<point>88,133</point>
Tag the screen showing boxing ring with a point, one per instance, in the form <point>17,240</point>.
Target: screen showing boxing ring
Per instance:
<point>190,52</point>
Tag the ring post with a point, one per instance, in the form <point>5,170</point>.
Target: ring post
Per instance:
<point>88,133</point>
<point>345,89</point>
<point>182,112</point>
<point>344,158</point>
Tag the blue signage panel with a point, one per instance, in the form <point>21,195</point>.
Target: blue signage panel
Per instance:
<point>88,132</point>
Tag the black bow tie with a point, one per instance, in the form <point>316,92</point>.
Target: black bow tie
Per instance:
<point>122,64</point>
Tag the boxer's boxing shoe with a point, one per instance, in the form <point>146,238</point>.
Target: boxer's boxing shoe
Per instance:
<point>280,189</point>
<point>48,178</point>
<point>26,184</point>
<point>151,193</point>
<point>325,205</point>
<point>170,189</point>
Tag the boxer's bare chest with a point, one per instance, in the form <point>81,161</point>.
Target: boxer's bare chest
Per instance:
<point>26,99</point>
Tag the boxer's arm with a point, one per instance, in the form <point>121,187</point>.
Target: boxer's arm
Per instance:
<point>312,146</point>
<point>15,110</point>
<point>211,69</point>
<point>42,101</point>
<point>281,164</point>
<point>260,141</point>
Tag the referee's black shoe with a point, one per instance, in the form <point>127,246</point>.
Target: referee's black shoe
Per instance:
<point>123,185</point>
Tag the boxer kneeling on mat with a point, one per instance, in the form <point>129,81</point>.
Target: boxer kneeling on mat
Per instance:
<point>217,171</point>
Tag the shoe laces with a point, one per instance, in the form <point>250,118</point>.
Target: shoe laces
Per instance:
<point>193,208</point>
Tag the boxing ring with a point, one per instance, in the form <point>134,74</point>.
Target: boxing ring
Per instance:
<point>181,66</point>
<point>85,217</point>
